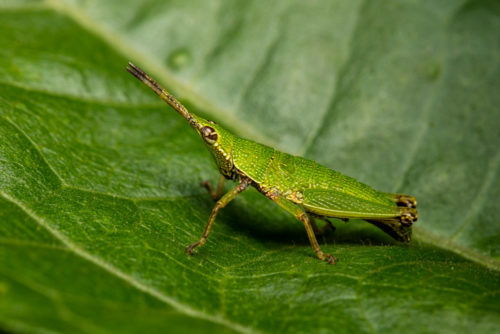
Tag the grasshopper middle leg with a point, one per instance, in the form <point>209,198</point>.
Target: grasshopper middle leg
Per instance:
<point>228,197</point>
<point>321,231</point>
<point>301,215</point>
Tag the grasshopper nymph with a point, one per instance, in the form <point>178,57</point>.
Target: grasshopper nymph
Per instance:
<point>302,187</point>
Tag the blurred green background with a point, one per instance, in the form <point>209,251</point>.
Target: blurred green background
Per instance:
<point>99,180</point>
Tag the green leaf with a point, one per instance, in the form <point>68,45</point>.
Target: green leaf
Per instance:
<point>99,181</point>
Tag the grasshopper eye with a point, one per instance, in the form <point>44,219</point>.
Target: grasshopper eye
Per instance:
<point>209,134</point>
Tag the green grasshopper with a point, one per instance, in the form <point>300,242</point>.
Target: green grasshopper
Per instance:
<point>300,186</point>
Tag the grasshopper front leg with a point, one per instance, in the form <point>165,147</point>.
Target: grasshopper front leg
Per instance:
<point>301,215</point>
<point>220,188</point>
<point>228,197</point>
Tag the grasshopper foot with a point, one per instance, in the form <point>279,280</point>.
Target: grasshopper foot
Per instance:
<point>330,259</point>
<point>189,249</point>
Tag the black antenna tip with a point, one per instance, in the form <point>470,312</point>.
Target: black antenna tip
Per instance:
<point>144,77</point>
<point>136,72</point>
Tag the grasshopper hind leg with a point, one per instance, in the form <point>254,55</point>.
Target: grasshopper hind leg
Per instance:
<point>393,219</point>
<point>402,200</point>
<point>399,228</point>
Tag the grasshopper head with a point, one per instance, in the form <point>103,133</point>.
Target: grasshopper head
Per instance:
<point>219,142</point>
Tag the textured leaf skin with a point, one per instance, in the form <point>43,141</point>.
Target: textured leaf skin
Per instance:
<point>99,181</point>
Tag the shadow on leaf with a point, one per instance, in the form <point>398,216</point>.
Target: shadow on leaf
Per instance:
<point>257,217</point>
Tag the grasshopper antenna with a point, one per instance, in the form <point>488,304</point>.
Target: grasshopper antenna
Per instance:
<point>162,93</point>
